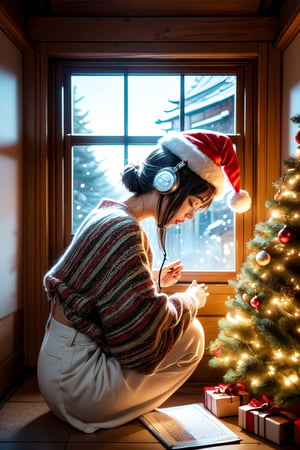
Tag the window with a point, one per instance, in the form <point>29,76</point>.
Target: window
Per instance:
<point>114,116</point>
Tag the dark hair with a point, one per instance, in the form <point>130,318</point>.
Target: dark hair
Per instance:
<point>139,180</point>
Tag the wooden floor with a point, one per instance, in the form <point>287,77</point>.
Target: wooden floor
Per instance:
<point>27,424</point>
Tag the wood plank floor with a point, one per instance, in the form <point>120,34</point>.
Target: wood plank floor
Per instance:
<point>27,424</point>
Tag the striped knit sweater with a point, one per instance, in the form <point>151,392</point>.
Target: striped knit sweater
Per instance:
<point>104,285</point>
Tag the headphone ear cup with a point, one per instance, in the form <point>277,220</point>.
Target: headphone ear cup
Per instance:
<point>166,181</point>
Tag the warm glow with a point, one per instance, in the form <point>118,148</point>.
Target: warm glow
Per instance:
<point>294,378</point>
<point>267,300</point>
<point>271,370</point>
<point>276,214</point>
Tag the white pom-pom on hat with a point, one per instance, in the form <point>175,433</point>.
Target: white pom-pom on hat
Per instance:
<point>209,155</point>
<point>239,201</point>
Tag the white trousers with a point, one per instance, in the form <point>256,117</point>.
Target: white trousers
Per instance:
<point>90,390</point>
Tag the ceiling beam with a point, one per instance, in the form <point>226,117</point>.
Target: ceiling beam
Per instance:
<point>152,29</point>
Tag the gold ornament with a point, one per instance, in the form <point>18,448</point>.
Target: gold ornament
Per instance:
<point>263,258</point>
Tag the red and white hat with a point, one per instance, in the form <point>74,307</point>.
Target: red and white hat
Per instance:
<point>209,155</point>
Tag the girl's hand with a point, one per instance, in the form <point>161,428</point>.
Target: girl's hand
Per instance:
<point>171,273</point>
<point>198,292</point>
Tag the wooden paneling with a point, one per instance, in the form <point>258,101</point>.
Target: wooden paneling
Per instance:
<point>155,7</point>
<point>16,34</point>
<point>11,352</point>
<point>288,23</point>
<point>36,216</point>
<point>288,32</point>
<point>149,29</point>
<point>268,131</point>
<point>154,50</point>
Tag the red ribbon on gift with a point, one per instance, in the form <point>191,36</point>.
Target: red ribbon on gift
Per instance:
<point>230,389</point>
<point>268,406</point>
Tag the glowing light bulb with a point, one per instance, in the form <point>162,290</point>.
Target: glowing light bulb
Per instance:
<point>271,370</point>
<point>293,378</point>
<point>275,214</point>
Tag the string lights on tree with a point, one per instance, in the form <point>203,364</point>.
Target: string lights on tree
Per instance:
<point>259,339</point>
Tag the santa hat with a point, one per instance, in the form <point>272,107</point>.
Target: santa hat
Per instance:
<point>209,155</point>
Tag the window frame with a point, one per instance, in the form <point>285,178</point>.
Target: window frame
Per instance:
<point>60,164</point>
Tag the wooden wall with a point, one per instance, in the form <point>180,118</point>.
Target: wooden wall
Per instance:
<point>11,215</point>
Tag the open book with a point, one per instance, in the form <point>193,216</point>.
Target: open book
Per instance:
<point>187,426</point>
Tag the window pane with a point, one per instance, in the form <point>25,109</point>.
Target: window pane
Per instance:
<point>94,177</point>
<point>210,102</point>
<point>147,97</point>
<point>137,153</point>
<point>102,99</point>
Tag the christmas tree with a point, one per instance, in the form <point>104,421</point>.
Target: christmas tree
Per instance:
<point>90,182</point>
<point>259,339</point>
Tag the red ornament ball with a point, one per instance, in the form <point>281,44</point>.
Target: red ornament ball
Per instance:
<point>285,235</point>
<point>255,301</point>
<point>218,350</point>
<point>297,137</point>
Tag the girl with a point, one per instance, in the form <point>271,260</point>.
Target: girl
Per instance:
<point>115,346</point>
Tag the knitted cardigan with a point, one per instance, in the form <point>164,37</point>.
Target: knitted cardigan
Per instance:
<point>104,285</point>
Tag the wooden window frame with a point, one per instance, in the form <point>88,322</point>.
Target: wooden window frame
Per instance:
<point>60,159</point>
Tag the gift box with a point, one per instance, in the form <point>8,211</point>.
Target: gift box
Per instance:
<point>274,428</point>
<point>222,403</point>
<point>208,390</point>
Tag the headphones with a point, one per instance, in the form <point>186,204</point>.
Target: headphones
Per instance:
<point>166,180</point>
